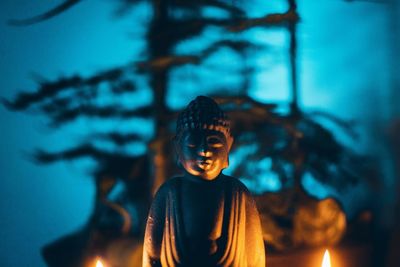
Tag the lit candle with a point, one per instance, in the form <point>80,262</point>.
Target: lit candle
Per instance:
<point>99,263</point>
<point>326,261</point>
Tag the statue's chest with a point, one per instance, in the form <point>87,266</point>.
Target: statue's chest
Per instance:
<point>201,210</point>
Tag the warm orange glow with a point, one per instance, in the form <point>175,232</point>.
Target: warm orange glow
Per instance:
<point>326,261</point>
<point>99,263</point>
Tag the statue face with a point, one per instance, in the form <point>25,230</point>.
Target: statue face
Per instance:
<point>203,153</point>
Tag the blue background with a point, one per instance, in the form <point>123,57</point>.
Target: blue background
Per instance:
<point>346,67</point>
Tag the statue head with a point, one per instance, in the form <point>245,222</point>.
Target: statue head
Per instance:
<point>203,139</point>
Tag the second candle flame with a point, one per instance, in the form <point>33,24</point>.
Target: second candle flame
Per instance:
<point>326,261</point>
<point>99,263</point>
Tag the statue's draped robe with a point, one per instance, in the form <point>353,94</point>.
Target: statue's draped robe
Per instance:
<point>235,236</point>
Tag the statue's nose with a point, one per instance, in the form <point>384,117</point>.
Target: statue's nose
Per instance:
<point>204,150</point>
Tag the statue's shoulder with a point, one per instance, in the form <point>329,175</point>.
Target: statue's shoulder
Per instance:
<point>236,183</point>
<point>168,186</point>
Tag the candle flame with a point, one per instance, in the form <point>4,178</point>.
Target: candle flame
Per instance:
<point>99,263</point>
<point>326,262</point>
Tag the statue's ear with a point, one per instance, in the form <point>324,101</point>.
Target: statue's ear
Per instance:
<point>226,164</point>
<point>230,142</point>
<point>177,150</point>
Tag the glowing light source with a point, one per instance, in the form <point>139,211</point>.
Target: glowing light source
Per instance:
<point>326,261</point>
<point>99,263</point>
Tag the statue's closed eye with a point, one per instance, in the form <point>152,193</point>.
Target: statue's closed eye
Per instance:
<point>215,142</point>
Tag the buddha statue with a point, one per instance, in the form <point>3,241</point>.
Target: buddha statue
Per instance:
<point>203,218</point>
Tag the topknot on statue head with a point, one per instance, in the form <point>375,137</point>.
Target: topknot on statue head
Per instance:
<point>203,113</point>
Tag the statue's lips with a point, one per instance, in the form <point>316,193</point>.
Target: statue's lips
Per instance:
<point>204,163</point>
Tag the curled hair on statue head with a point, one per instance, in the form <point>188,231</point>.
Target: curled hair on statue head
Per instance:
<point>203,113</point>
